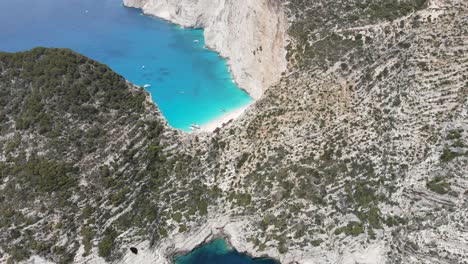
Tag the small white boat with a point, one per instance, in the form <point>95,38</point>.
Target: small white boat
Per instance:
<point>194,127</point>
<point>147,85</point>
<point>143,66</point>
<point>196,41</point>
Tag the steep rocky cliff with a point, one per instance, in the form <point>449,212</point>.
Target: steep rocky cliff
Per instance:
<point>250,33</point>
<point>357,155</point>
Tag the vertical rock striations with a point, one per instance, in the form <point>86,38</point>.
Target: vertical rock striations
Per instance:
<point>250,33</point>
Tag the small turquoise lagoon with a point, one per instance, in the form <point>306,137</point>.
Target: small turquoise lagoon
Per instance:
<point>218,252</point>
<point>188,82</point>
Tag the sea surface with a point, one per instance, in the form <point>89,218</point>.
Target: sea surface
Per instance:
<point>189,83</point>
<point>218,252</point>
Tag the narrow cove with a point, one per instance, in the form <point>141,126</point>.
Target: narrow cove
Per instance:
<point>219,252</point>
<point>189,83</point>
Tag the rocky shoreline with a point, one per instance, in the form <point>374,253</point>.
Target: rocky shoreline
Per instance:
<point>256,62</point>
<point>250,34</point>
<point>357,156</point>
<point>224,227</point>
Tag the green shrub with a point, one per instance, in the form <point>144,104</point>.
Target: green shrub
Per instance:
<point>317,242</point>
<point>118,197</point>
<point>352,228</point>
<point>374,217</point>
<point>454,134</point>
<point>17,254</point>
<point>243,158</point>
<point>177,217</point>
<point>438,185</point>
<point>448,155</point>
<point>87,233</point>
<point>107,243</point>
<point>182,228</point>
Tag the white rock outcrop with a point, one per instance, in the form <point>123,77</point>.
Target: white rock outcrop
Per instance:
<point>251,34</point>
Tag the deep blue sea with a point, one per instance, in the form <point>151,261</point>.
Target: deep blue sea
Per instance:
<point>218,252</point>
<point>189,83</point>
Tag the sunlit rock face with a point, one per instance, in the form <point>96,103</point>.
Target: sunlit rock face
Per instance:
<point>251,33</point>
<point>358,155</point>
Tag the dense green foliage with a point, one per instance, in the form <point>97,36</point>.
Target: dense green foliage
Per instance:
<point>85,145</point>
<point>60,107</point>
<point>49,81</point>
<point>107,243</point>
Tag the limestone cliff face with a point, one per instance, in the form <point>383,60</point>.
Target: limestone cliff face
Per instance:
<point>250,33</point>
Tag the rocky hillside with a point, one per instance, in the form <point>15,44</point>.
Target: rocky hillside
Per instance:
<point>77,142</point>
<point>358,155</point>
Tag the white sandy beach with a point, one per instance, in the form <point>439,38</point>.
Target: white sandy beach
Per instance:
<point>218,122</point>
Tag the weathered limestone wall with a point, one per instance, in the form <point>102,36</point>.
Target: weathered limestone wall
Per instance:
<point>251,34</point>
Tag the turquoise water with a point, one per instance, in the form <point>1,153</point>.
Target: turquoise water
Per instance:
<point>218,252</point>
<point>189,83</point>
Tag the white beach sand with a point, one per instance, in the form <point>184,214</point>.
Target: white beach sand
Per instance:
<point>218,122</point>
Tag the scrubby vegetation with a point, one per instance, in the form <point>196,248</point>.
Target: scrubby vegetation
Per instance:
<point>79,146</point>
<point>362,143</point>
<point>438,185</point>
<point>317,42</point>
<point>58,109</point>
